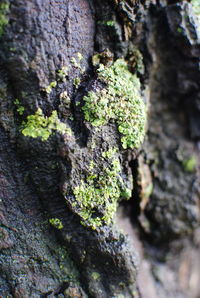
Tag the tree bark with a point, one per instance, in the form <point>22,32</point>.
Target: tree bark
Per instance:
<point>57,163</point>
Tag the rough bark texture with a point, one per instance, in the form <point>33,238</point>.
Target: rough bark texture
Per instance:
<point>151,248</point>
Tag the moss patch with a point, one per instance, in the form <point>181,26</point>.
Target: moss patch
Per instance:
<point>97,197</point>
<point>38,125</point>
<point>4,8</point>
<point>120,101</point>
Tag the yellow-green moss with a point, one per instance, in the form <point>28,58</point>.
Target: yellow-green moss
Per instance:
<point>4,8</point>
<point>56,222</point>
<point>97,197</point>
<point>120,101</point>
<point>38,125</point>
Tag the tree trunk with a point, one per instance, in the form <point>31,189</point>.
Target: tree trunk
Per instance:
<point>81,83</point>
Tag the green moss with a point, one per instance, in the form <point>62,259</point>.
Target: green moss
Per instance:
<point>38,125</point>
<point>190,164</point>
<point>97,197</point>
<point>56,222</point>
<point>4,8</point>
<point>120,101</point>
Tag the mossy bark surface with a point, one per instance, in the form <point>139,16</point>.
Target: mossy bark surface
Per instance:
<point>99,149</point>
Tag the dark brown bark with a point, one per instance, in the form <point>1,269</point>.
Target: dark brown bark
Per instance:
<point>159,256</point>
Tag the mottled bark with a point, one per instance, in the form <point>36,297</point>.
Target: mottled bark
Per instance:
<point>49,247</point>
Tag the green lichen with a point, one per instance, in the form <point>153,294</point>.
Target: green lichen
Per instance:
<point>38,125</point>
<point>136,60</point>
<point>106,58</point>
<point>107,23</point>
<point>180,30</point>
<point>56,222</point>
<point>110,153</point>
<point>92,165</point>
<point>49,88</point>
<point>95,275</point>
<point>64,97</point>
<point>20,108</point>
<point>79,56</point>
<point>4,8</point>
<point>120,101</point>
<point>76,82</point>
<point>196,8</point>
<point>96,198</point>
<point>190,164</point>
<point>76,62</point>
<point>96,60</point>
<point>62,73</point>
